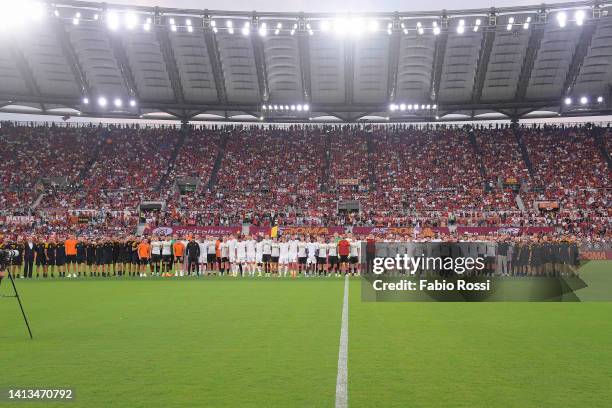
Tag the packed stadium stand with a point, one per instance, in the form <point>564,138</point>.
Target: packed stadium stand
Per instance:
<point>263,175</point>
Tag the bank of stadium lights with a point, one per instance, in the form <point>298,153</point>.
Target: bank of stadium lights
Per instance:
<point>584,100</point>
<point>246,28</point>
<point>131,20</point>
<point>403,107</point>
<point>580,15</point>
<point>350,26</point>
<point>147,24</point>
<point>477,25</point>
<point>279,26</point>
<point>263,29</point>
<point>461,27</point>
<point>436,28</point>
<point>562,18</point>
<point>16,14</point>
<point>112,20</point>
<point>286,108</point>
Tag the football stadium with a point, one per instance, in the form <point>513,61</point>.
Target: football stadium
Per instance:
<point>384,204</point>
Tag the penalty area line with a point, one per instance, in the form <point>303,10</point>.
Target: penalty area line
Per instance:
<point>341,379</point>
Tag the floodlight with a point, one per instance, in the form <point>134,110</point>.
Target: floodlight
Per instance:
<point>112,20</point>
<point>246,29</point>
<point>118,102</point>
<point>561,18</point>
<point>102,101</point>
<point>341,26</point>
<point>584,100</point>
<point>580,15</point>
<point>568,101</point>
<point>461,27</point>
<point>132,103</point>
<point>131,20</point>
<point>263,29</point>
<point>599,99</point>
<point>86,101</point>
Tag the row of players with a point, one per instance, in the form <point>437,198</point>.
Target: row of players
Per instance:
<point>250,255</point>
<point>247,255</point>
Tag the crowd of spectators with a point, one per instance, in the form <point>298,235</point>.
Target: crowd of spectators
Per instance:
<point>296,175</point>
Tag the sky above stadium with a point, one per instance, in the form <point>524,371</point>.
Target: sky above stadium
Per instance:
<point>332,6</point>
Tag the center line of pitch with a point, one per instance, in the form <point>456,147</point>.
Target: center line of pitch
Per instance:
<point>341,379</point>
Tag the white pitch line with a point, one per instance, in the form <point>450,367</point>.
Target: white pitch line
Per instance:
<point>341,379</point>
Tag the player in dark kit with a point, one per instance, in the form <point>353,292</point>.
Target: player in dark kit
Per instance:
<point>108,255</point>
<point>81,257</point>
<point>60,257</point>
<point>40,249</point>
<point>134,268</point>
<point>50,252</point>
<point>17,261</point>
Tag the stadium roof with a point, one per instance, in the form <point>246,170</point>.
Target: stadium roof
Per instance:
<point>110,60</point>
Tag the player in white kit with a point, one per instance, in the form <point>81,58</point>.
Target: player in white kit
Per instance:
<point>354,256</point>
<point>259,255</point>
<point>250,255</point>
<point>283,258</point>
<point>211,254</point>
<point>302,255</point>
<point>322,257</point>
<point>266,255</point>
<point>334,261</point>
<point>311,261</point>
<point>293,255</point>
<point>241,255</point>
<point>156,245</point>
<point>202,259</point>
<point>231,245</point>
<point>224,250</point>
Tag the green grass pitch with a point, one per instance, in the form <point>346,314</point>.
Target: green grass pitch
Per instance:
<point>225,342</point>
